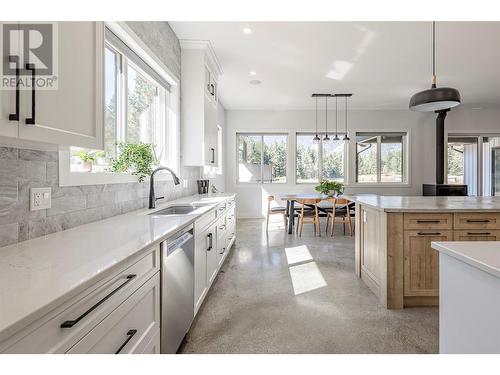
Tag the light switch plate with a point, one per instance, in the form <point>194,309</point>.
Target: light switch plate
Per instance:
<point>40,198</point>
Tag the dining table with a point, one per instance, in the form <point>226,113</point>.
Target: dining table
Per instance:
<point>290,205</point>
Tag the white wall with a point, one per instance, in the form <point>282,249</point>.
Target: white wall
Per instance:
<point>252,198</point>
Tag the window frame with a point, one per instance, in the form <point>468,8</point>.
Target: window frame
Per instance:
<point>172,115</point>
<point>406,150</point>
<point>262,135</point>
<point>320,157</point>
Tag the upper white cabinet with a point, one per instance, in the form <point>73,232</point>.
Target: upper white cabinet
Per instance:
<point>72,113</point>
<point>200,72</point>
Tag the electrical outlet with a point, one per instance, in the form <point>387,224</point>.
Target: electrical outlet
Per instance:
<point>40,198</point>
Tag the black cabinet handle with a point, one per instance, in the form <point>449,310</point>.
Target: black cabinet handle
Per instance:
<point>15,116</point>
<point>478,220</point>
<point>209,236</point>
<point>428,221</point>
<point>223,251</point>
<point>429,234</point>
<point>130,334</point>
<point>31,120</point>
<point>71,323</point>
<point>212,89</point>
<point>478,233</point>
<point>213,155</point>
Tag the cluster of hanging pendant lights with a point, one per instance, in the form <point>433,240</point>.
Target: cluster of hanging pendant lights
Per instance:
<point>326,138</point>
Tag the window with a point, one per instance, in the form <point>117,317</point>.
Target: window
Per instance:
<point>463,162</point>
<point>262,158</point>
<point>381,157</point>
<point>136,108</point>
<point>325,159</point>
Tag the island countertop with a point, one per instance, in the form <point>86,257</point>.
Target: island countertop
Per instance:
<point>484,255</point>
<point>427,204</point>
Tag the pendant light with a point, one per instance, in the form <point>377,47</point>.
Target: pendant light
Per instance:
<point>346,138</point>
<point>326,138</point>
<point>336,138</point>
<point>316,139</point>
<point>434,99</point>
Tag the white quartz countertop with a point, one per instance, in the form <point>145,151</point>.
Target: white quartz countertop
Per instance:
<point>427,204</point>
<point>484,255</point>
<point>41,273</point>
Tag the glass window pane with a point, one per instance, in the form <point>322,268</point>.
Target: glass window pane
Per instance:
<point>249,158</point>
<point>110,105</point>
<point>333,160</point>
<point>455,163</point>
<point>366,159</point>
<point>142,108</point>
<point>307,158</point>
<point>274,167</point>
<point>391,158</point>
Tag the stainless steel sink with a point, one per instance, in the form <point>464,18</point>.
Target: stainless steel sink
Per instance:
<point>177,210</point>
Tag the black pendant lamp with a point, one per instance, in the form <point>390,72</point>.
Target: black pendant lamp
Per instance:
<point>346,138</point>
<point>336,138</point>
<point>326,138</point>
<point>435,98</point>
<point>316,139</point>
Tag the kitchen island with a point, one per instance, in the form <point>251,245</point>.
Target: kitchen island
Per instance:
<point>393,252</point>
<point>469,297</point>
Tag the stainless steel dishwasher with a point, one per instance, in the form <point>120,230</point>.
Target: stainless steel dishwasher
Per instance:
<point>177,289</point>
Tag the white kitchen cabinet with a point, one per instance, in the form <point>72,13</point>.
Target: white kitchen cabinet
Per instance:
<point>205,246</point>
<point>72,114</point>
<point>8,121</point>
<point>200,71</point>
<point>221,240</point>
<point>66,325</point>
<point>129,328</point>
<point>211,253</point>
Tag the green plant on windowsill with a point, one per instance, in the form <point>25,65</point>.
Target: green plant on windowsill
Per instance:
<point>136,158</point>
<point>330,188</point>
<point>88,158</point>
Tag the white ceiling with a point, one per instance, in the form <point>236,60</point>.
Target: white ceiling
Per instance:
<point>381,63</point>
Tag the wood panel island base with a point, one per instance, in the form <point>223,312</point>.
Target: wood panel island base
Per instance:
<point>393,252</point>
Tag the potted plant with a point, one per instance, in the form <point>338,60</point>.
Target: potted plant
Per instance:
<point>136,158</point>
<point>330,188</point>
<point>100,157</point>
<point>88,158</point>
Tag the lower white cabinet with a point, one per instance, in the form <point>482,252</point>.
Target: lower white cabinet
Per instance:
<point>130,327</point>
<point>214,234</point>
<point>95,320</point>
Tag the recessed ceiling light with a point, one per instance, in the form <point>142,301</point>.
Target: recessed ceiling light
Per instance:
<point>476,108</point>
<point>247,30</point>
<point>252,73</point>
<point>255,82</point>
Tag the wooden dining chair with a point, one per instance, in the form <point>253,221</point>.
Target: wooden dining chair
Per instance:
<point>275,210</point>
<point>308,214</point>
<point>340,213</point>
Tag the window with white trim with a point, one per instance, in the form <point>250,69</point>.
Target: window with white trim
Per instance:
<point>381,157</point>
<point>137,109</point>
<point>262,158</point>
<point>319,161</point>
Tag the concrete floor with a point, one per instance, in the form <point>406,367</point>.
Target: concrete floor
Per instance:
<point>262,304</point>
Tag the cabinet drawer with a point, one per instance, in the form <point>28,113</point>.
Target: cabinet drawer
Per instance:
<point>415,221</point>
<point>476,235</point>
<point>205,220</point>
<point>221,208</point>
<point>130,327</point>
<point>478,220</point>
<point>60,330</point>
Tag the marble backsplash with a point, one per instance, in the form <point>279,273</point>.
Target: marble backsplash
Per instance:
<point>22,169</point>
